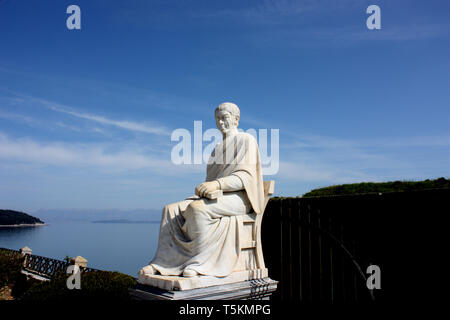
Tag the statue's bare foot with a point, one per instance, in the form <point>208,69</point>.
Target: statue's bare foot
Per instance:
<point>148,271</point>
<point>189,273</point>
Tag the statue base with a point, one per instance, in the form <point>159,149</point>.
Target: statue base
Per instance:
<point>184,283</point>
<point>257,289</point>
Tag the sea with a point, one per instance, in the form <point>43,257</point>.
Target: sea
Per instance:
<point>124,247</point>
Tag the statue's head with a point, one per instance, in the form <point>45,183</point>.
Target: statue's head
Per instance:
<point>227,116</point>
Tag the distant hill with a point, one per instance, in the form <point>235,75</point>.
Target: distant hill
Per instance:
<point>11,217</point>
<point>379,187</point>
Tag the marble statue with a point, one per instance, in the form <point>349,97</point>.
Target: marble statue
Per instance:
<point>199,236</point>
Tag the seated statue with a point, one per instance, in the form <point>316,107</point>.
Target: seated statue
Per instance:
<point>200,236</point>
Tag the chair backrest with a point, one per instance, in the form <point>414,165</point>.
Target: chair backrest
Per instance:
<point>269,189</point>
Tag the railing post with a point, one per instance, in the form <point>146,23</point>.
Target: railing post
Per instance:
<point>25,251</point>
<point>80,261</point>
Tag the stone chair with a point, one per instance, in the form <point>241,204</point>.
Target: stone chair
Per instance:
<point>252,259</point>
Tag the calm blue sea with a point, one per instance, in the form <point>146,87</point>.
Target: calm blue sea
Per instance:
<point>124,247</point>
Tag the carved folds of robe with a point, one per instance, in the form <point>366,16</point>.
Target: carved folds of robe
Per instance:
<point>202,234</point>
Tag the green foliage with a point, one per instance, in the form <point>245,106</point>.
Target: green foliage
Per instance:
<point>381,187</point>
<point>11,264</point>
<point>10,267</point>
<point>99,285</point>
<point>22,284</point>
<point>283,198</point>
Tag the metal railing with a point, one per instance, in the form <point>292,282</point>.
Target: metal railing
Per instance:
<point>43,266</point>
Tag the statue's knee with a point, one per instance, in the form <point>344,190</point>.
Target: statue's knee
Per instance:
<point>195,211</point>
<point>197,205</point>
<point>170,207</point>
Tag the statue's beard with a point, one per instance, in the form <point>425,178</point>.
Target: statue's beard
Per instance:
<point>226,130</point>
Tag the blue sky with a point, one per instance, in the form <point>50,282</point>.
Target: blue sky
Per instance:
<point>86,115</point>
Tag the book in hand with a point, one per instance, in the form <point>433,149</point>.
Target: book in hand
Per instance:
<point>210,195</point>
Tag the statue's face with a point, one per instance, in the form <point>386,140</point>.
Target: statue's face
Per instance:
<point>225,121</point>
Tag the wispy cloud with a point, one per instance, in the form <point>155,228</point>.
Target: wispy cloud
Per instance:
<point>265,12</point>
<point>65,154</point>
<point>304,171</point>
<point>326,142</point>
<point>26,100</point>
<point>123,124</point>
<point>400,32</point>
<point>92,155</point>
<point>329,160</point>
<point>18,117</point>
<point>159,14</point>
<point>417,141</point>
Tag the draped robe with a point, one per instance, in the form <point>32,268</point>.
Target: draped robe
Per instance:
<point>202,234</point>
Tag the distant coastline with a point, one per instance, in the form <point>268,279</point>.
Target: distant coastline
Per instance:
<point>22,225</point>
<point>124,221</point>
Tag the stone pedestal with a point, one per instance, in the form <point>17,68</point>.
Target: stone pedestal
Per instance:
<point>258,289</point>
<point>176,283</point>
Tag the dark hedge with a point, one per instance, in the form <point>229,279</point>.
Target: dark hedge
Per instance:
<point>95,286</point>
<point>379,187</point>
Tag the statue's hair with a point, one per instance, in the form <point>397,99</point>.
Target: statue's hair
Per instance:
<point>230,107</point>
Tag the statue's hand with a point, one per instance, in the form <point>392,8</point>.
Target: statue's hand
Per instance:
<point>206,187</point>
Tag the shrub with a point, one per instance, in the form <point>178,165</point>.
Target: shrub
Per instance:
<point>377,187</point>
<point>22,284</point>
<point>11,264</point>
<point>10,267</point>
<point>99,285</point>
